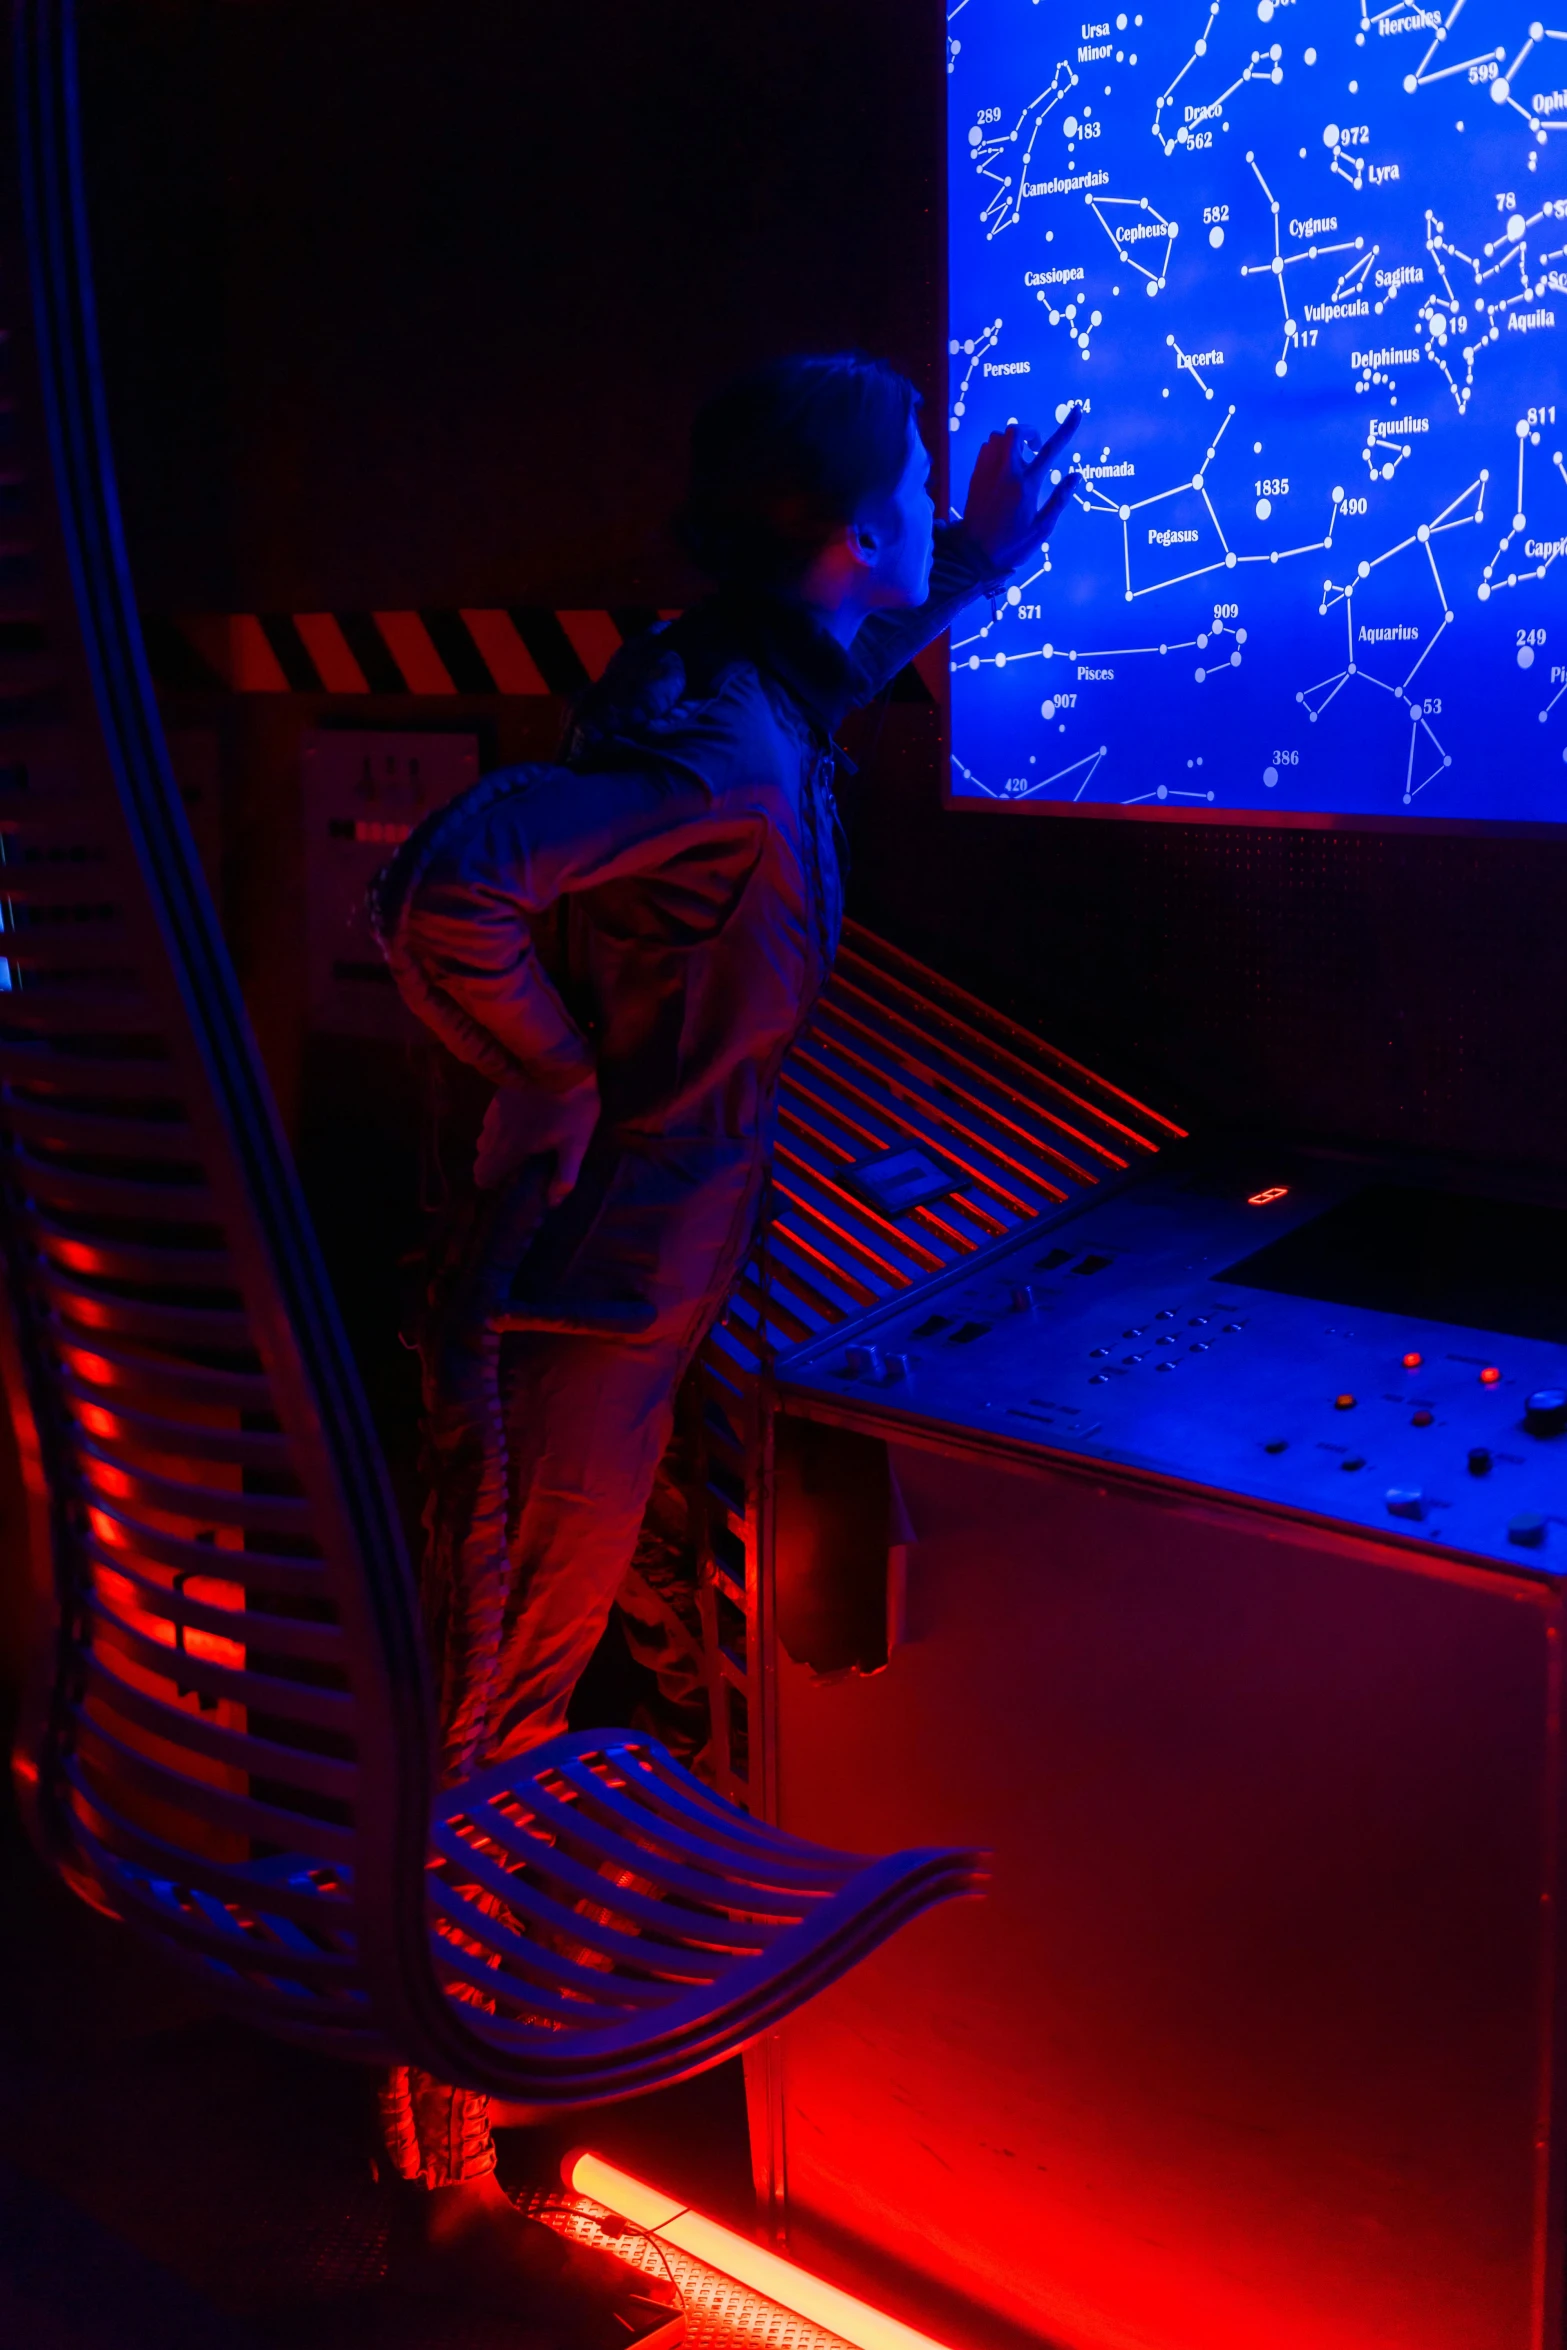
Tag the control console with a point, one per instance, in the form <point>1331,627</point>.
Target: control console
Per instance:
<point>1331,1337</point>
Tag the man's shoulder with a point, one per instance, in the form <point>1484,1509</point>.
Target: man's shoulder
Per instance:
<point>679,696</point>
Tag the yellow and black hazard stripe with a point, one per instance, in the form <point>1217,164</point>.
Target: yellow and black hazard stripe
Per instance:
<point>526,649</point>
<point>520,649</point>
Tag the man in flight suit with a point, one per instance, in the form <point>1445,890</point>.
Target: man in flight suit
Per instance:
<point>627,945</point>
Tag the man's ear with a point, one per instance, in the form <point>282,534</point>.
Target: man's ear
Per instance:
<point>863,541</point>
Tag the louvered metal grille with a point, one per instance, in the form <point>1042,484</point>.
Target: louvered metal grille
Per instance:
<point>234,1663</point>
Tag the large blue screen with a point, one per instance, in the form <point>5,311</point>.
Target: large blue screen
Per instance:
<point>1305,267</point>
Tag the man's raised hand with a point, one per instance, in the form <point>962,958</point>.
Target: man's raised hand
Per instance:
<point>1012,475</point>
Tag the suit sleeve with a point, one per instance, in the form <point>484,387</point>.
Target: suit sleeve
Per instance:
<point>455,917</point>
<point>961,571</point>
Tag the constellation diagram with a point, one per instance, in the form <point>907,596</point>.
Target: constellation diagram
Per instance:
<point>1502,264</point>
<point>1303,267</point>
<point>1147,231</point>
<point>1028,788</point>
<point>1261,65</point>
<point>1315,699</point>
<point>1194,523</point>
<point>1540,553</point>
<point>990,150</point>
<point>1282,262</point>
<point>972,350</point>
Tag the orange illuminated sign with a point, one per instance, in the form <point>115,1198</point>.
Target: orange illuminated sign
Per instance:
<point>1265,1199</point>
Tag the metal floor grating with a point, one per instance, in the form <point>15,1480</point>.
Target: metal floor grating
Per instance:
<point>720,2315</point>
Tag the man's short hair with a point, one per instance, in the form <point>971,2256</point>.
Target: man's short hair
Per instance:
<point>786,456</point>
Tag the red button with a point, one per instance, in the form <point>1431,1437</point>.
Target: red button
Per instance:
<point>1420,1420</point>
<point>1343,1403</point>
<point>1490,1376</point>
<point>1413,1362</point>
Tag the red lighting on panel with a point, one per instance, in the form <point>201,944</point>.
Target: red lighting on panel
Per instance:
<point>1265,1199</point>
<point>1412,1362</point>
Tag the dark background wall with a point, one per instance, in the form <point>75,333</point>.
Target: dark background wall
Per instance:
<point>408,305</point>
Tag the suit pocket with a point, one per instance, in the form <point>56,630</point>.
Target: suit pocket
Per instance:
<point>656,1222</point>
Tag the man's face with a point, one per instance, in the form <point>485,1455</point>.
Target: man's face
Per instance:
<point>898,534</point>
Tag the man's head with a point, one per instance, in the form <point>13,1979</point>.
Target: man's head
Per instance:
<point>810,473</point>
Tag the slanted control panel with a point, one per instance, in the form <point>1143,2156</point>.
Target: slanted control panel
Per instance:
<point>1338,1338</point>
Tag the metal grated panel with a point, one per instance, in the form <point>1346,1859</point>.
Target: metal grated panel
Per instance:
<point>898,1060</point>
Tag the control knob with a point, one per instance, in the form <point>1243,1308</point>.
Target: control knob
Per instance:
<point>1545,1412</point>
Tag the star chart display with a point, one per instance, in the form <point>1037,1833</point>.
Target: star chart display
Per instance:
<point>1304,266</point>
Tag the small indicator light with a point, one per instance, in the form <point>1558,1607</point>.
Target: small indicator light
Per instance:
<point>1421,1419</point>
<point>1412,1362</point>
<point>1265,1199</point>
<point>1490,1376</point>
<point>1343,1403</point>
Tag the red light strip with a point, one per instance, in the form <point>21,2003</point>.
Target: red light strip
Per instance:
<point>767,2273</point>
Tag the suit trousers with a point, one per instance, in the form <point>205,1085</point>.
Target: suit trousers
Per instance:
<point>606,1480</point>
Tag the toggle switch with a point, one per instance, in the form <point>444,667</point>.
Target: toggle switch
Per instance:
<point>1481,1461</point>
<point>1406,1501</point>
<point>1024,1299</point>
<point>863,1362</point>
<point>1527,1530</point>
